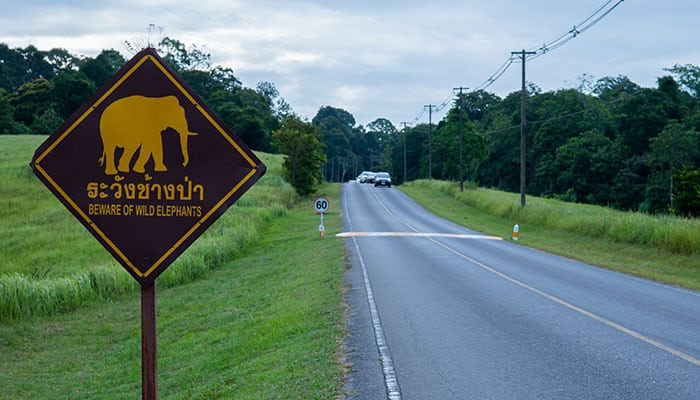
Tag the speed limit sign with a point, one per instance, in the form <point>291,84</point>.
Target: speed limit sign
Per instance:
<point>321,205</point>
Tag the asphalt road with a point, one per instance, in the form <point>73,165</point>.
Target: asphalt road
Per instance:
<point>441,312</point>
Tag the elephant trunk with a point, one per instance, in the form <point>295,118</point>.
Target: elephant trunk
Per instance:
<point>183,146</point>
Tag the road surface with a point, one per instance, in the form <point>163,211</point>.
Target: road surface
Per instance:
<point>441,312</point>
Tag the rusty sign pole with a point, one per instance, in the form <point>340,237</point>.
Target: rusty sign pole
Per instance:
<point>149,359</point>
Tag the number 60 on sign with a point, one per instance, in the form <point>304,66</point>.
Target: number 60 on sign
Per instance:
<point>321,205</point>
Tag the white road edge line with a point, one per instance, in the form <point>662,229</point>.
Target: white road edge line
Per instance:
<point>390,380</point>
<point>580,310</point>
<point>555,299</point>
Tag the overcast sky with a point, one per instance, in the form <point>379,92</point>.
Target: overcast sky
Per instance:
<point>380,58</point>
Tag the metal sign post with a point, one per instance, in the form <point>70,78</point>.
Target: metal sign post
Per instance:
<point>321,206</point>
<point>149,357</point>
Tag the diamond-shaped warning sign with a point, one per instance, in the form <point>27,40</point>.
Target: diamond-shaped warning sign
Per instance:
<point>145,166</point>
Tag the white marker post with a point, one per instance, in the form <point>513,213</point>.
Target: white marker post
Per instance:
<point>321,206</point>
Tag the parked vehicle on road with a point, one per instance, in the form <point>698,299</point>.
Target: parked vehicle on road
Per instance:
<point>382,179</point>
<point>364,176</point>
<point>370,177</point>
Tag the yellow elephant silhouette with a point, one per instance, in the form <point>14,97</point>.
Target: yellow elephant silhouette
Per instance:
<point>137,122</point>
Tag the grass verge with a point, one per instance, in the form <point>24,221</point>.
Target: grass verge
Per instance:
<point>665,249</point>
<point>267,325</point>
<point>49,263</point>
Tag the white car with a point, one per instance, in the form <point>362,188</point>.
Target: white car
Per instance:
<point>364,176</point>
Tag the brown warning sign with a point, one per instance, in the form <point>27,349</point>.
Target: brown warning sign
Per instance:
<point>145,166</point>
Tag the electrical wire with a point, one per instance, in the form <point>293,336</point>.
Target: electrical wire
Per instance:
<point>595,17</point>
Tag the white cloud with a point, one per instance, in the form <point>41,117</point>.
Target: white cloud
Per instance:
<point>385,58</point>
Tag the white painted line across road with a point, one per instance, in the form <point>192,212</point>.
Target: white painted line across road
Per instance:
<point>418,234</point>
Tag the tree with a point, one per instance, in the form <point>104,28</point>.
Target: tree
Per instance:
<point>673,148</point>
<point>47,122</point>
<point>559,116</point>
<point>575,161</point>
<point>477,104</point>
<point>689,77</point>
<point>501,166</point>
<point>21,66</point>
<point>70,91</point>
<point>102,67</point>
<point>8,125</point>
<point>301,143</point>
<point>336,126</point>
<point>32,98</point>
<point>640,118</point>
<point>446,147</point>
<point>61,60</point>
<point>611,89</point>
<point>374,140</point>
<point>686,195</point>
<point>178,56</point>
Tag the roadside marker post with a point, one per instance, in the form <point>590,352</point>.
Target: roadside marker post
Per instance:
<point>321,206</point>
<point>321,228</point>
<point>516,232</point>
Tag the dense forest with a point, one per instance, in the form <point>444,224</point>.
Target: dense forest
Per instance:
<point>608,142</point>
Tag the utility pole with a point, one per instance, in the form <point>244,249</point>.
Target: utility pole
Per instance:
<point>430,139</point>
<point>405,170</point>
<point>523,55</point>
<point>461,138</point>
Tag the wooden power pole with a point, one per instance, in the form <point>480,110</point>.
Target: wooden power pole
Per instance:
<point>430,139</point>
<point>523,56</point>
<point>461,138</point>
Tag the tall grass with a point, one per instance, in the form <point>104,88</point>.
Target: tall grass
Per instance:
<point>669,233</point>
<point>49,263</point>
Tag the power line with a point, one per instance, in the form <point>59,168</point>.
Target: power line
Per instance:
<point>585,24</point>
<point>588,22</point>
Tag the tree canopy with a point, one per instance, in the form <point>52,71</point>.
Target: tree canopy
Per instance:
<point>609,142</point>
<point>612,143</point>
<point>40,89</point>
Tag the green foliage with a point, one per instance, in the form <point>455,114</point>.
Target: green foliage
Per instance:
<point>31,98</point>
<point>39,277</point>
<point>336,128</point>
<point>686,192</point>
<point>39,84</point>
<point>21,66</point>
<point>446,147</point>
<point>46,123</point>
<point>265,325</point>
<point>670,234</point>
<point>70,91</point>
<point>663,248</point>
<point>8,125</point>
<point>604,143</point>
<point>609,142</point>
<point>689,76</point>
<point>301,143</point>
<point>102,67</point>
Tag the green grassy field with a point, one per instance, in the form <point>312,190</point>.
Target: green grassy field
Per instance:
<point>253,310</point>
<point>50,263</point>
<point>662,248</point>
<point>267,325</point>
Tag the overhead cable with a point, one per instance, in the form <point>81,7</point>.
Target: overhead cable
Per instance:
<point>596,16</point>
